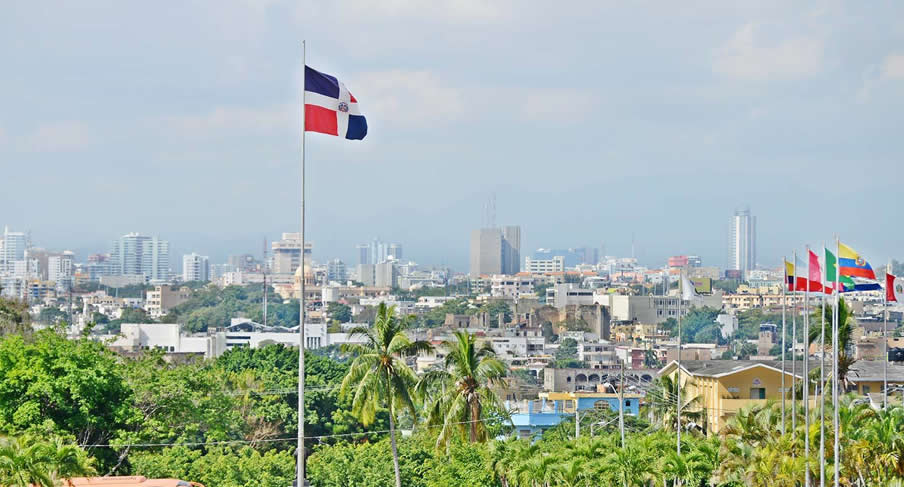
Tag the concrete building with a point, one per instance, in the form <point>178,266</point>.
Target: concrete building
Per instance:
<point>366,274</point>
<point>742,238</point>
<point>363,254</point>
<point>386,274</point>
<point>562,295</point>
<point>12,250</point>
<point>511,287</point>
<point>726,386</point>
<point>652,309</point>
<point>136,254</point>
<point>59,269</point>
<point>335,271</point>
<point>495,251</point>
<point>531,418</point>
<point>195,268</point>
<point>287,253</point>
<point>544,266</point>
<point>163,298</point>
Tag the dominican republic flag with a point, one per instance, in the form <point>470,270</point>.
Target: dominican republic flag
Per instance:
<point>329,108</point>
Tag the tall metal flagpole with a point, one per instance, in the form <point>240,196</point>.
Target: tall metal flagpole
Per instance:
<point>301,301</point>
<point>806,391</point>
<point>822,374</point>
<point>835,352</point>
<point>793,355</point>
<point>885,339</point>
<point>678,396</point>
<point>784,346</point>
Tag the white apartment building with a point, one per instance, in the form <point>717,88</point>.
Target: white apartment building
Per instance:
<point>742,235</point>
<point>195,268</point>
<point>511,287</point>
<point>135,254</point>
<point>12,250</point>
<point>544,266</point>
<point>562,295</point>
<point>59,269</point>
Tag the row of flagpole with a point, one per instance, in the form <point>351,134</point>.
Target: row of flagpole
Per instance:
<point>791,284</point>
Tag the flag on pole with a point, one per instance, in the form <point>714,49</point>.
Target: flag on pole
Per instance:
<point>688,291</point>
<point>894,288</point>
<point>815,277</point>
<point>789,275</point>
<point>852,264</point>
<point>847,283</point>
<point>329,108</point>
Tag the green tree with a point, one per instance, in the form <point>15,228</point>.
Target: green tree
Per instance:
<point>460,396</point>
<point>51,315</point>
<point>846,325</point>
<point>219,466</point>
<point>54,385</point>
<point>379,375</point>
<point>14,318</point>
<point>339,312</point>
<point>33,461</point>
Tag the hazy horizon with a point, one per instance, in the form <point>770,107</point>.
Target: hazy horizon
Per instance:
<point>590,124</point>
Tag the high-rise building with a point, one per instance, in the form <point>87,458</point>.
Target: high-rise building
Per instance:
<point>378,251</point>
<point>495,251</point>
<point>59,269</point>
<point>98,265</point>
<point>336,271</point>
<point>136,254</point>
<point>14,245</point>
<point>195,268</point>
<point>742,238</point>
<point>363,254</point>
<point>287,253</point>
<point>395,251</point>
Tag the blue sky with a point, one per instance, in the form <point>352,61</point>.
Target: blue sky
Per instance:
<point>589,123</point>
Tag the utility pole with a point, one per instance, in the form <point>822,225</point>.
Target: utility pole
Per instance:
<point>621,404</point>
<point>577,420</point>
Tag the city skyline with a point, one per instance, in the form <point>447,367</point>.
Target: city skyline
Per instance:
<point>771,106</point>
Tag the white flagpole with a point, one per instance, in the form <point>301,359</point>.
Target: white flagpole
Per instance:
<point>806,390</point>
<point>885,339</point>
<point>835,352</point>
<point>784,346</point>
<point>300,454</point>
<point>793,355</point>
<point>822,373</point>
<point>678,398</point>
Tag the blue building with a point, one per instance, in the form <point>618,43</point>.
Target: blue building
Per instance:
<point>533,417</point>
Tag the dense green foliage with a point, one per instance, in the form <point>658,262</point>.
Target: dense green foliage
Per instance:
<point>81,391</point>
<point>212,307</point>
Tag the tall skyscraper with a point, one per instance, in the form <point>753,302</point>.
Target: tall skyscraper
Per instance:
<point>336,271</point>
<point>395,251</point>
<point>495,251</point>
<point>742,238</point>
<point>14,245</point>
<point>195,268</point>
<point>378,251</point>
<point>363,254</point>
<point>136,254</point>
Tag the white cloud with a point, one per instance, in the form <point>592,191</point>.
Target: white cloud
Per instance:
<point>409,98</point>
<point>231,120</point>
<point>557,106</point>
<point>893,67</point>
<point>58,137</point>
<point>743,56</point>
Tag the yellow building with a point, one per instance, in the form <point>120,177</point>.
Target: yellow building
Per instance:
<point>725,386</point>
<point>867,376</point>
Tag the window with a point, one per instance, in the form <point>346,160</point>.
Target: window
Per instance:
<point>865,389</point>
<point>628,403</point>
<point>758,393</point>
<point>602,405</point>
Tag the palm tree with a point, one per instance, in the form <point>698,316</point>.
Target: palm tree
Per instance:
<point>663,407</point>
<point>378,376</point>
<point>630,466</point>
<point>460,395</point>
<point>846,325</point>
<point>33,462</point>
